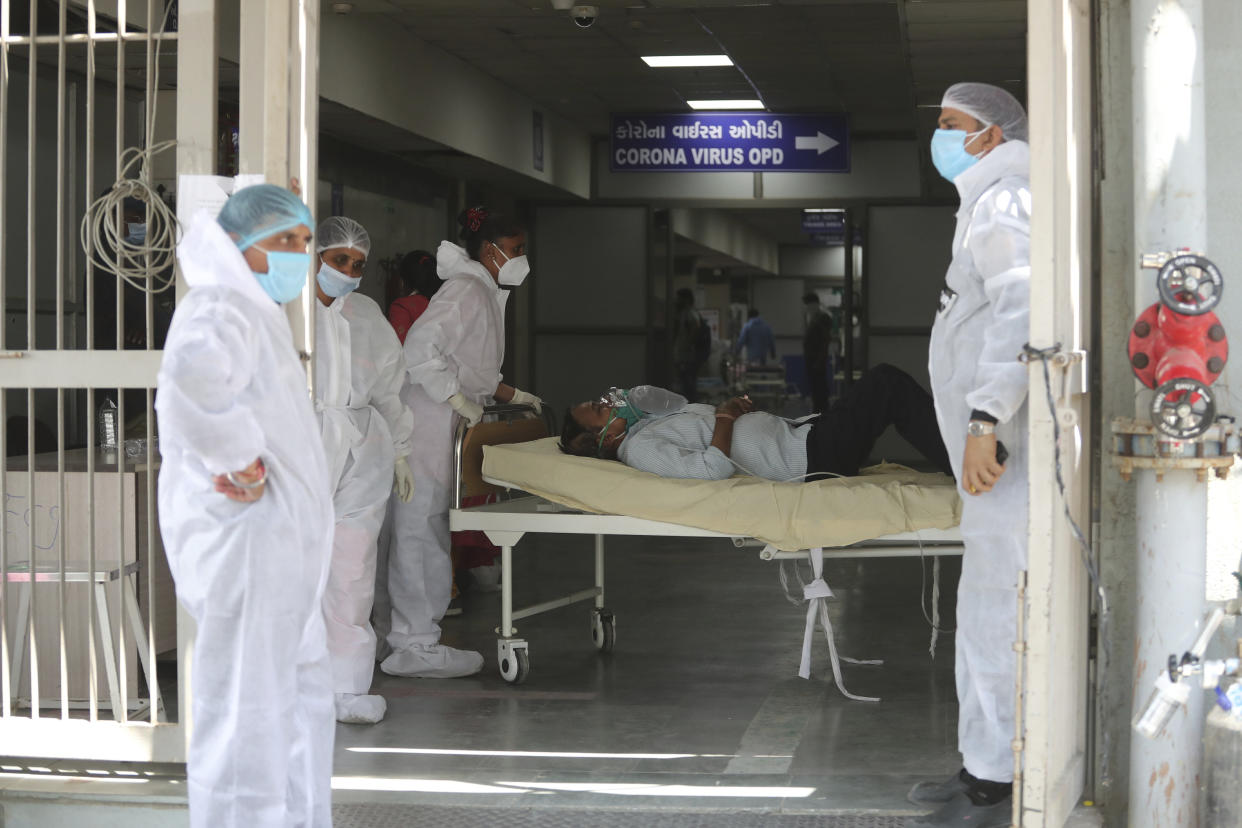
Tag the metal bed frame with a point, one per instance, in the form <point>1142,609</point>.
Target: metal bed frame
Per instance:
<point>507,522</point>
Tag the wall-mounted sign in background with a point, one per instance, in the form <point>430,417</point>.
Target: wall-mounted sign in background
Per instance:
<point>823,223</point>
<point>834,239</point>
<point>827,228</point>
<point>729,142</point>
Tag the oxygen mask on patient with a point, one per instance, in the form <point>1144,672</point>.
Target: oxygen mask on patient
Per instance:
<point>643,401</point>
<point>633,404</point>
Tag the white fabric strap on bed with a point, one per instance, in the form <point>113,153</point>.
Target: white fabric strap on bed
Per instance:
<point>816,594</point>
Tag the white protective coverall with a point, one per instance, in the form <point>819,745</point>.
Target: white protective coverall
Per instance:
<point>457,345</point>
<point>231,388</point>
<point>975,344</point>
<point>359,371</point>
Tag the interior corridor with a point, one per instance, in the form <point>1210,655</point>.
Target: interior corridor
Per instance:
<point>699,707</point>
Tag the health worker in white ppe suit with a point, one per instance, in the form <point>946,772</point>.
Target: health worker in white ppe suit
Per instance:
<point>453,354</point>
<point>245,510</point>
<point>980,392</point>
<point>359,371</point>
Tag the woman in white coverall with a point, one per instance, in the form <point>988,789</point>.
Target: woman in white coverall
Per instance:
<point>980,392</point>
<point>246,515</point>
<point>453,354</point>
<point>359,371</point>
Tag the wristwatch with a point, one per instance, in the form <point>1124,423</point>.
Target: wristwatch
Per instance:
<point>980,428</point>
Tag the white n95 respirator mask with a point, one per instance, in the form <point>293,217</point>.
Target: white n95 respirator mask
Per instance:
<point>514,271</point>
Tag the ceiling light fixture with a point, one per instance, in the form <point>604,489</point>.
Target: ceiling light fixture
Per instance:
<point>741,103</point>
<point>823,209</point>
<point>679,61</point>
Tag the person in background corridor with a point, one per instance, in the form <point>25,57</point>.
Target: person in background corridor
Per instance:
<point>756,339</point>
<point>816,344</point>
<point>420,282</point>
<point>691,344</point>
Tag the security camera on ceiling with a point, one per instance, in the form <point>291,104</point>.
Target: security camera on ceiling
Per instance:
<point>584,16</point>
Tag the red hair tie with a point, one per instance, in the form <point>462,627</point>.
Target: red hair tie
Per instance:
<point>474,218</point>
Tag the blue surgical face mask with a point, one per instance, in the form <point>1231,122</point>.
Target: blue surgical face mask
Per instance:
<point>286,274</point>
<point>948,151</point>
<point>335,283</point>
<point>136,232</point>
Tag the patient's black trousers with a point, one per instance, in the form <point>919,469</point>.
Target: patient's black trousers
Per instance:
<point>841,439</point>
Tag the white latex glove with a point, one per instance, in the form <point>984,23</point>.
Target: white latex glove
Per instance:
<point>471,412</point>
<point>403,480</point>
<point>521,397</point>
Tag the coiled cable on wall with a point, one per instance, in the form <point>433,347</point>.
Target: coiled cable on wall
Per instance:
<point>142,265</point>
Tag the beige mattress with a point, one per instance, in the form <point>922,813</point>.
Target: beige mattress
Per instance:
<point>884,500</point>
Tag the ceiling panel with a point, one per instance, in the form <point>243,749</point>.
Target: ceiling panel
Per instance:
<point>872,59</point>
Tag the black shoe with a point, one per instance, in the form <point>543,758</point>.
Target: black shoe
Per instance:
<point>961,812</point>
<point>937,793</point>
<point>454,608</point>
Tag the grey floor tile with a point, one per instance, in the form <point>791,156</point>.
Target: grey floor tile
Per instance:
<point>705,639</point>
<point>697,711</point>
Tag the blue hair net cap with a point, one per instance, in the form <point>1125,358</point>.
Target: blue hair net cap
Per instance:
<point>989,104</point>
<point>261,211</point>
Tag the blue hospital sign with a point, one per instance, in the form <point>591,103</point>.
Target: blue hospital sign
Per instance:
<point>729,142</point>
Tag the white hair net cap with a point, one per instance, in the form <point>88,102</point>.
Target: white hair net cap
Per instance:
<point>261,211</point>
<point>989,104</point>
<point>339,231</point>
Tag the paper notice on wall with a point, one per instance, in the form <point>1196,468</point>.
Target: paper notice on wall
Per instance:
<point>201,192</point>
<point>244,180</point>
<point>209,192</point>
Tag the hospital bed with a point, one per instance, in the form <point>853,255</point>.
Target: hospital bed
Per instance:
<point>888,511</point>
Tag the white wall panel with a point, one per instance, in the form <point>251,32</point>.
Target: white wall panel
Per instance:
<point>379,70</point>
<point>590,266</point>
<point>1223,93</point>
<point>910,249</point>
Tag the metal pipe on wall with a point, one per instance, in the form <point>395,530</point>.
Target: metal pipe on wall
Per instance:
<point>1170,212</point>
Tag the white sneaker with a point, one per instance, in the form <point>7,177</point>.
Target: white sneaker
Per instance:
<point>486,578</point>
<point>432,661</point>
<point>359,709</point>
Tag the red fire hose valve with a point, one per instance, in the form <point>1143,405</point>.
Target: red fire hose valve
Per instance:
<point>1178,345</point>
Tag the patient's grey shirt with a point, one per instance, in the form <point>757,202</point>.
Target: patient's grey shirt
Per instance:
<point>680,445</point>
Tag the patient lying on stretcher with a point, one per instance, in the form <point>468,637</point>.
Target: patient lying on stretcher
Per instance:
<point>657,431</point>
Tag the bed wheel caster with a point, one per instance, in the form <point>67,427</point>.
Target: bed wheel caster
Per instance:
<point>514,660</point>
<point>603,630</point>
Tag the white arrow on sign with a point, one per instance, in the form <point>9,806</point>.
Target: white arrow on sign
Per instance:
<point>820,142</point>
